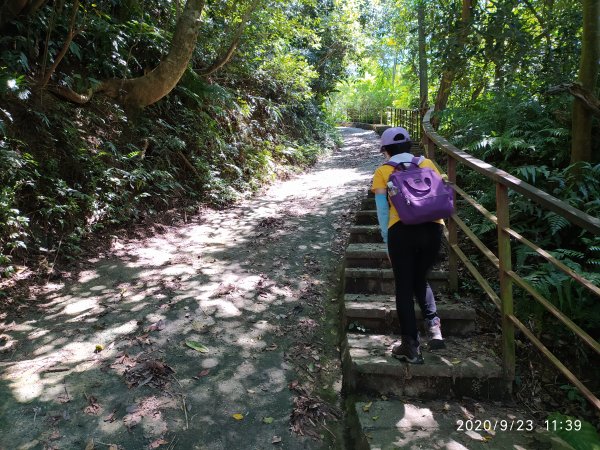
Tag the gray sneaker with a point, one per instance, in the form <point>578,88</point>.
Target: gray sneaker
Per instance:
<point>408,350</point>
<point>434,333</point>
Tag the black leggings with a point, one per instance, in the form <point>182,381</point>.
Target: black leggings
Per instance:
<point>413,250</point>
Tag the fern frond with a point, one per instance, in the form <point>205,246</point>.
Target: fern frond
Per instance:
<point>556,132</point>
<point>556,222</point>
<point>569,253</point>
<point>530,173</point>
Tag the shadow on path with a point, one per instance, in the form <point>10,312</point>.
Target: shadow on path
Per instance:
<point>93,357</point>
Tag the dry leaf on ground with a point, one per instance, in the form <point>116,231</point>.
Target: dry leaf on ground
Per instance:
<point>93,407</point>
<point>157,443</point>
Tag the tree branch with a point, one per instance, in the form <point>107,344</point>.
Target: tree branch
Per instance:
<point>65,48</point>
<point>576,90</point>
<point>219,63</point>
<point>69,94</point>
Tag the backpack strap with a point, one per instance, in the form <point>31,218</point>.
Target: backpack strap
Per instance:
<point>400,166</point>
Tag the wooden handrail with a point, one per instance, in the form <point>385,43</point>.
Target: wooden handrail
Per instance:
<point>570,213</point>
<point>503,261</point>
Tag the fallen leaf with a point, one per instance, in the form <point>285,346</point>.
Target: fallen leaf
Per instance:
<point>271,348</point>
<point>111,417</point>
<point>267,420</point>
<point>455,361</point>
<point>375,417</point>
<point>157,443</point>
<point>293,384</point>
<point>237,416</point>
<point>197,346</point>
<point>55,436</point>
<point>367,407</point>
<point>90,445</point>
<point>250,391</point>
<point>276,440</point>
<point>203,373</point>
<point>93,407</point>
<point>158,326</point>
<point>98,349</point>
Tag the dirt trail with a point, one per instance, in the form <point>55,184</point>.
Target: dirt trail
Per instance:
<point>104,356</point>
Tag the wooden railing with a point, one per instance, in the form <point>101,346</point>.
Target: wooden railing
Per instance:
<point>503,260</point>
<point>395,117</point>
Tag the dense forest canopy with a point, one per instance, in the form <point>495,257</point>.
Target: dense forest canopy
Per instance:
<point>484,54</point>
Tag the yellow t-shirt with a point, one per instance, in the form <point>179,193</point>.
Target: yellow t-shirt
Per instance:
<point>380,179</point>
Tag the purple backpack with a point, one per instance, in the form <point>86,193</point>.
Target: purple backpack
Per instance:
<point>419,194</point>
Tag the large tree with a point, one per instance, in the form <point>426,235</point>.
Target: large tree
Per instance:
<point>581,143</point>
<point>137,93</point>
<point>455,61</point>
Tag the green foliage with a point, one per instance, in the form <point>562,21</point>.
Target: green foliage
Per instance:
<point>510,130</point>
<point>584,438</point>
<point>522,135</point>
<point>68,170</point>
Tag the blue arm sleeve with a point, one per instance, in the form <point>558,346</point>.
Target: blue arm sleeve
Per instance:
<point>383,214</point>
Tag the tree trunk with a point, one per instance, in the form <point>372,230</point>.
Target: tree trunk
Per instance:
<point>234,41</point>
<point>138,93</point>
<point>423,78</point>
<point>581,144</point>
<point>454,63</point>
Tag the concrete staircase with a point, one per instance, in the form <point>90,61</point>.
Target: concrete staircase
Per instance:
<point>393,404</point>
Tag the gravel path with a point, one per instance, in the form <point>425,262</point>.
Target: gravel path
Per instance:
<point>107,358</point>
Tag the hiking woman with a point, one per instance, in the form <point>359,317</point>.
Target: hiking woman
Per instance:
<point>412,250</point>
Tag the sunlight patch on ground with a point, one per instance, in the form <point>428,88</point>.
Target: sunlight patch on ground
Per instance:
<point>87,276</point>
<point>178,270</point>
<point>415,417</point>
<point>318,182</point>
<point>38,333</point>
<point>112,333</point>
<point>78,307</point>
<point>226,308</point>
<point>453,445</point>
<point>154,255</point>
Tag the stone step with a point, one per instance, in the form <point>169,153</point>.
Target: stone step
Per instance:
<point>366,217</point>
<point>381,281</point>
<point>412,423</point>
<point>365,234</point>
<point>377,314</point>
<point>371,255</point>
<point>466,367</point>
<point>368,203</point>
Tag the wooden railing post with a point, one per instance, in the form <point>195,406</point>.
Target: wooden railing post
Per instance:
<point>452,233</point>
<point>506,295</point>
<point>429,148</point>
